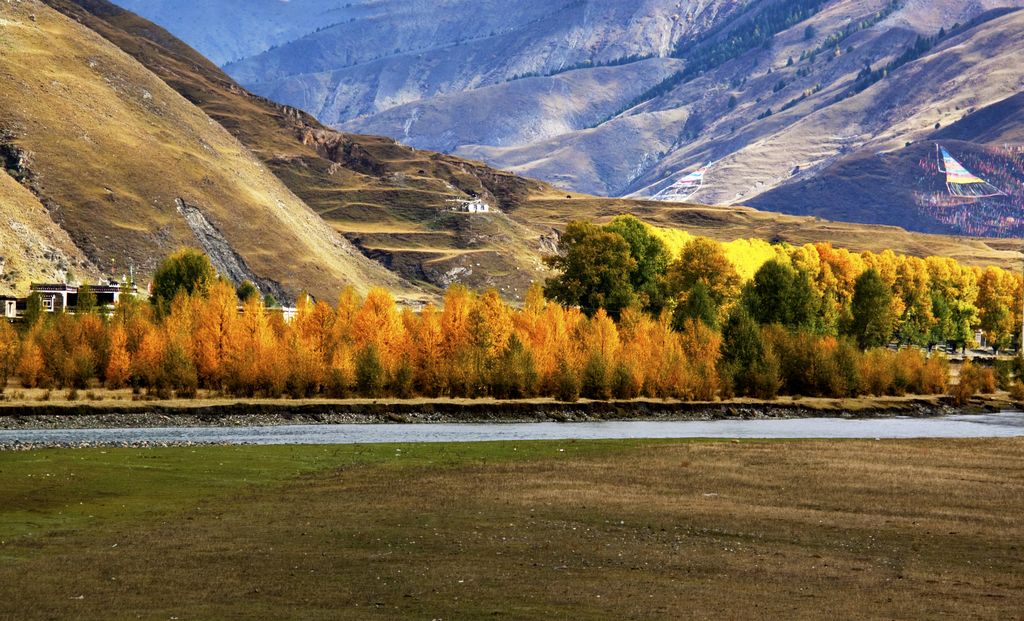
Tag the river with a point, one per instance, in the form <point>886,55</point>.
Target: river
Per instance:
<point>1005,424</point>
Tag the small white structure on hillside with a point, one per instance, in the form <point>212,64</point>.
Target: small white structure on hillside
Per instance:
<point>476,205</point>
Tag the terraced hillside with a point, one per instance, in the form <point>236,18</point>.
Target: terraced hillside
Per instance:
<point>130,170</point>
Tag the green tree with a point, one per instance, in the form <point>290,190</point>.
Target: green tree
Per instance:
<point>651,257</point>
<point>697,305</point>
<point>187,270</point>
<point>595,268</point>
<point>780,294</point>
<point>370,373</point>
<point>33,311</point>
<point>746,364</point>
<point>86,301</point>
<point>246,290</point>
<point>872,315</point>
<point>595,381</point>
<point>515,374</point>
<point>703,260</point>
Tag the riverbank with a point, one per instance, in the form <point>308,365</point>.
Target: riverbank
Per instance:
<point>909,529</point>
<point>108,414</point>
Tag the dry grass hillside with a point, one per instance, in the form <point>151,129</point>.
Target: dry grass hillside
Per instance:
<point>130,169</point>
<point>33,247</point>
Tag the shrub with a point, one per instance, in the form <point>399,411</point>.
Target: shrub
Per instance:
<point>567,383</point>
<point>515,373</point>
<point>595,379</point>
<point>974,378</point>
<point>623,384</point>
<point>369,372</point>
<point>401,384</point>
<point>337,383</point>
<point>846,380</point>
<point>935,378</point>
<point>180,372</point>
<point>1004,370</point>
<point>877,372</point>
<point>765,379</point>
<point>1017,391</point>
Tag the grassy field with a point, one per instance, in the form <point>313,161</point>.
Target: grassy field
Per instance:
<point>583,530</point>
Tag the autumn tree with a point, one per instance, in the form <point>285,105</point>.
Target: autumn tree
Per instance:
<point>490,327</point>
<point>215,319</point>
<point>602,345</point>
<point>148,361</point>
<point>995,297</point>
<point>702,347</point>
<point>703,261</point>
<point>9,346</point>
<point>31,364</point>
<point>377,323</point>
<point>119,363</point>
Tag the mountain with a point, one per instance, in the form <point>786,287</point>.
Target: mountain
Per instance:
<point>905,186</point>
<point>624,99</point>
<point>122,143</point>
<point>114,169</point>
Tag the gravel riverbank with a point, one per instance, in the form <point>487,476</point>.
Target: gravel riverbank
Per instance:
<point>272,413</point>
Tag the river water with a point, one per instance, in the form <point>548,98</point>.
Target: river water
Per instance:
<point>1005,424</point>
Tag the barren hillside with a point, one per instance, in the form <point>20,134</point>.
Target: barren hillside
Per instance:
<point>130,170</point>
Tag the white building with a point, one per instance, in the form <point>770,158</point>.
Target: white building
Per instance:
<point>476,205</point>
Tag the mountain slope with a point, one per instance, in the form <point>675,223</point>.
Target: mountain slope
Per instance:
<point>35,249</point>
<point>771,91</point>
<point>130,170</point>
<point>996,124</point>
<point>392,200</point>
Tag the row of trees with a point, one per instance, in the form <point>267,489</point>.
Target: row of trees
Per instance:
<point>873,299</point>
<point>193,335</point>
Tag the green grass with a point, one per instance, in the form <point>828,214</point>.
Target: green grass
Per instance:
<point>48,491</point>
<point>517,530</point>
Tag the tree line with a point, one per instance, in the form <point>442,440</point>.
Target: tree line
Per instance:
<point>622,319</point>
<point>813,320</point>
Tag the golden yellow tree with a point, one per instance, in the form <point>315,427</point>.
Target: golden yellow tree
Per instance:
<point>30,362</point>
<point>215,319</point>
<point>119,362</point>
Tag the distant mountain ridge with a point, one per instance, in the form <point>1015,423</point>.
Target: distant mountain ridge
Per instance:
<point>623,99</point>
